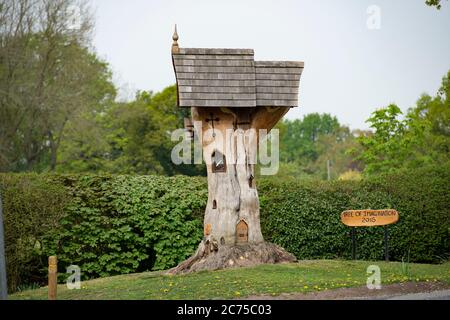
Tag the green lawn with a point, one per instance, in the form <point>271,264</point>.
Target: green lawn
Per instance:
<point>305,276</point>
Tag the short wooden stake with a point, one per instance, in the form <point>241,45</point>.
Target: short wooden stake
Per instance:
<point>52,277</point>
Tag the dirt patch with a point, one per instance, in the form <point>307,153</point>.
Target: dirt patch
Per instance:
<point>386,291</point>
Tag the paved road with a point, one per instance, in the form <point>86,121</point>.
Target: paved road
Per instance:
<point>434,295</point>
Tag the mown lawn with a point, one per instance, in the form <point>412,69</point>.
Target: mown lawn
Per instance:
<point>305,276</point>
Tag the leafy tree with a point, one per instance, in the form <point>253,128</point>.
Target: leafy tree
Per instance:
<point>307,144</point>
<point>298,138</point>
<point>335,148</point>
<point>132,137</point>
<point>421,138</point>
<point>48,78</point>
<point>434,3</point>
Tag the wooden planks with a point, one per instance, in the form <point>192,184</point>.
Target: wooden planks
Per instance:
<point>231,78</point>
<point>277,82</point>
<point>215,77</point>
<point>216,51</point>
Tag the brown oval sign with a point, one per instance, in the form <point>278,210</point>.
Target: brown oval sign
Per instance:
<point>369,218</point>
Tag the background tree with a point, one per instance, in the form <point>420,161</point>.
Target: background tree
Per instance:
<point>307,144</point>
<point>422,138</point>
<point>48,77</point>
<point>129,137</point>
<point>434,3</point>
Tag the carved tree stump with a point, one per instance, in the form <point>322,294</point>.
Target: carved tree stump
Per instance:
<point>232,229</point>
<point>228,93</point>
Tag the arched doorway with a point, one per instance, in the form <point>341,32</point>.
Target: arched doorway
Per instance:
<point>242,232</point>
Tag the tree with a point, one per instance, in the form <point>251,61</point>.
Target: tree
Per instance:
<point>336,148</point>
<point>299,137</point>
<point>48,78</point>
<point>422,138</point>
<point>434,3</point>
<point>307,144</point>
<point>129,137</point>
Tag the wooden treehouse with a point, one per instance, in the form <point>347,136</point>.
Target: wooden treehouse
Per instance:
<point>228,93</point>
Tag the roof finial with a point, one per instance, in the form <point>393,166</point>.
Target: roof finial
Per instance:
<point>175,48</point>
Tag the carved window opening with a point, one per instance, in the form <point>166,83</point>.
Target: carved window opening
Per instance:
<point>242,232</point>
<point>251,181</point>
<point>218,162</point>
<point>214,204</point>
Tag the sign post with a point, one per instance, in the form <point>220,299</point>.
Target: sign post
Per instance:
<point>386,246</point>
<point>353,243</point>
<point>369,218</point>
<point>3,284</point>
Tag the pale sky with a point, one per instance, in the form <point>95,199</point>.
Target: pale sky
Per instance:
<point>350,70</point>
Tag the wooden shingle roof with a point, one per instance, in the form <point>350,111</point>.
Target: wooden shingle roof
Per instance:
<point>232,78</point>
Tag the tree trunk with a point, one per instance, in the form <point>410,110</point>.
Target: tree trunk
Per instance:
<point>232,229</point>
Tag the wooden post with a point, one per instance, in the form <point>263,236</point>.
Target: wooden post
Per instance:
<point>386,244</point>
<point>353,243</point>
<point>52,277</point>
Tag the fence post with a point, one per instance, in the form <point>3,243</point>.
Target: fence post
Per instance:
<point>52,277</point>
<point>3,283</point>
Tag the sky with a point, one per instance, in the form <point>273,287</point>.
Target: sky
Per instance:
<point>359,55</point>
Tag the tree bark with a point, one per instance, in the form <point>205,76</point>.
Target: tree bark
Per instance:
<point>232,229</point>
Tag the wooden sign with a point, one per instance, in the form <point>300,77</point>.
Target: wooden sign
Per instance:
<point>369,218</point>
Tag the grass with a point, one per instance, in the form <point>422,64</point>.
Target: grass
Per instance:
<point>305,276</point>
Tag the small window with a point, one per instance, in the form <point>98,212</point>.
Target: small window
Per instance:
<point>218,162</point>
<point>214,204</point>
<point>251,181</point>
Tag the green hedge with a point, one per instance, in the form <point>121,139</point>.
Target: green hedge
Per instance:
<point>106,224</point>
<point>120,224</point>
<point>304,218</point>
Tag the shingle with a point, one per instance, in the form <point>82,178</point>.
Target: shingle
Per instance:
<point>217,96</point>
<point>278,90</point>
<point>215,76</point>
<point>277,76</point>
<point>217,103</point>
<point>216,51</point>
<point>206,89</point>
<point>279,64</point>
<point>276,83</point>
<point>217,62</point>
<point>278,70</point>
<point>212,69</point>
<point>277,96</point>
<point>213,57</point>
<point>277,103</point>
<point>217,83</point>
